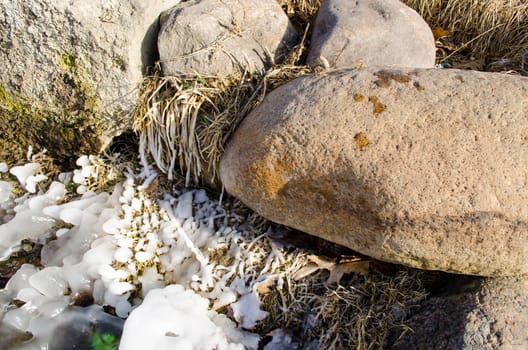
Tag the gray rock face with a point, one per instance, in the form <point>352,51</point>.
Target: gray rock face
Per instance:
<point>221,37</point>
<point>371,33</point>
<point>76,55</point>
<point>469,313</point>
<point>419,167</point>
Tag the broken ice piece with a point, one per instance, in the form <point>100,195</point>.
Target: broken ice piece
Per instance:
<point>49,281</point>
<point>184,208</point>
<point>123,254</point>
<point>71,215</point>
<point>200,196</point>
<point>82,161</point>
<point>247,310</point>
<point>22,172</point>
<point>5,191</point>
<point>120,288</point>
<point>32,181</point>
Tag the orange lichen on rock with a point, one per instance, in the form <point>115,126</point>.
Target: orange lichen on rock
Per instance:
<point>271,178</point>
<point>418,86</point>
<point>359,97</point>
<point>377,105</point>
<point>385,77</point>
<point>361,141</point>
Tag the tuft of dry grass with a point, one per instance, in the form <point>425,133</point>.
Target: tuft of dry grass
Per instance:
<point>493,30</point>
<point>184,123</point>
<point>300,12</point>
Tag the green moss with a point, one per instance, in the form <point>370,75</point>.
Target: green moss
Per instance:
<point>75,88</point>
<point>90,99</point>
<point>67,62</point>
<point>12,102</point>
<point>65,132</point>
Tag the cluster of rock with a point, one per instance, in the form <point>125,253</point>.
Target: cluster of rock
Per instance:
<point>382,153</point>
<point>417,166</point>
<point>404,163</point>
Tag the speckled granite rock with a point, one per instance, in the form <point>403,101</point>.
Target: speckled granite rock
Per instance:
<point>222,37</point>
<point>418,167</point>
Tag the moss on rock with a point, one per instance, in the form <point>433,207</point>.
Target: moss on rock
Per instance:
<point>65,133</point>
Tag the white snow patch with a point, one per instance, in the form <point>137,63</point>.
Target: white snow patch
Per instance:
<point>30,221</point>
<point>281,341</point>
<point>5,191</point>
<point>22,172</point>
<point>33,180</point>
<point>247,310</point>
<point>175,318</point>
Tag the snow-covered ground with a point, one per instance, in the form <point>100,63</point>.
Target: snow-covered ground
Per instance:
<point>170,262</point>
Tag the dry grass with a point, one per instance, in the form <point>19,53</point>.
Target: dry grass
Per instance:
<point>361,316</point>
<point>184,123</point>
<point>493,30</point>
<point>358,313</point>
<point>300,12</point>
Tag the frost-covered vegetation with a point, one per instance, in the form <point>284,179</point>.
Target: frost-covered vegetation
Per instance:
<point>119,244</point>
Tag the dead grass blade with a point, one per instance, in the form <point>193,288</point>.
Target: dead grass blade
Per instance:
<point>184,122</point>
<point>496,30</point>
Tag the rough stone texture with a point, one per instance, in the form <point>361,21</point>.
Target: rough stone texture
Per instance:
<point>469,313</point>
<point>76,57</point>
<point>420,167</point>
<point>221,37</point>
<point>372,33</point>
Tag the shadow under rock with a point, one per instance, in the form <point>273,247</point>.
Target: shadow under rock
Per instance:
<point>440,321</point>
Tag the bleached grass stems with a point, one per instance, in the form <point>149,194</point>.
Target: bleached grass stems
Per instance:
<point>505,23</point>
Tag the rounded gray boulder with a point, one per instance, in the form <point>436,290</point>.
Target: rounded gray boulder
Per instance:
<point>370,33</point>
<point>422,167</point>
<point>222,37</point>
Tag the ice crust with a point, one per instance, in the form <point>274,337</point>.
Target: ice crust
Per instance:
<point>181,320</point>
<point>112,245</point>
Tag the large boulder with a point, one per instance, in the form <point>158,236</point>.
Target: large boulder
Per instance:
<point>222,37</point>
<point>370,33</point>
<point>467,313</point>
<point>70,69</point>
<point>420,167</point>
